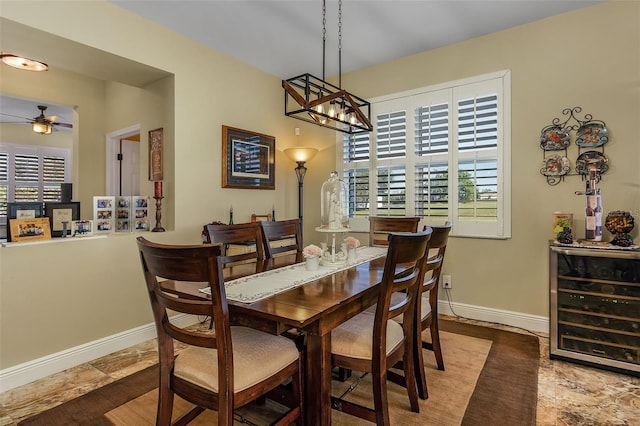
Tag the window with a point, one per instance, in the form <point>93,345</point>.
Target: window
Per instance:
<point>440,153</point>
<point>31,173</point>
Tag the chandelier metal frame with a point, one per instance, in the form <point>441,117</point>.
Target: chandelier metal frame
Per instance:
<point>314,100</point>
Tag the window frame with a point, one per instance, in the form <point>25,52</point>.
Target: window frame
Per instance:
<point>498,229</point>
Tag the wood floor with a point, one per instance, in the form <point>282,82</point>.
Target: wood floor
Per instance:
<point>568,394</point>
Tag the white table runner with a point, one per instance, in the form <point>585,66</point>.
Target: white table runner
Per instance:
<point>256,287</point>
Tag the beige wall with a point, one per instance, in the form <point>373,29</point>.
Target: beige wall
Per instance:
<point>93,289</point>
<point>555,64</point>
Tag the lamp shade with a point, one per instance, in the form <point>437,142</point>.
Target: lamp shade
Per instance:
<point>42,128</point>
<point>301,154</point>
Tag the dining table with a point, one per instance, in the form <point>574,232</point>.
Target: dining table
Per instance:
<point>314,305</point>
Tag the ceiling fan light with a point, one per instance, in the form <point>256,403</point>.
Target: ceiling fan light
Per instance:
<point>42,128</point>
<point>23,63</point>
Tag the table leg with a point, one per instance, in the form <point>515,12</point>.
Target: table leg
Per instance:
<point>318,380</point>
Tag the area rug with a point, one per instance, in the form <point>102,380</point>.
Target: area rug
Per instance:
<point>490,378</point>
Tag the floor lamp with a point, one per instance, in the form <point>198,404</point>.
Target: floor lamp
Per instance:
<point>300,156</point>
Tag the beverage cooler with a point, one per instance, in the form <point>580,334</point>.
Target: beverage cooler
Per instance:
<point>595,307</point>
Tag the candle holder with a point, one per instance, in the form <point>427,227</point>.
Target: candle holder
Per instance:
<point>158,227</point>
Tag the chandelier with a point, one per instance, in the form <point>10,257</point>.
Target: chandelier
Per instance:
<point>317,101</point>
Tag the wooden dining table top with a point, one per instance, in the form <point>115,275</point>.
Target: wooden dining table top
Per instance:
<point>316,308</point>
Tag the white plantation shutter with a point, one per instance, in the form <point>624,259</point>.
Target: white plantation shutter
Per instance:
<point>479,154</point>
<point>53,175</point>
<point>431,178</point>
<point>26,175</point>
<point>30,174</point>
<point>356,148</point>
<point>356,155</point>
<point>391,135</point>
<point>440,153</point>
<point>432,189</point>
<point>391,191</point>
<point>4,184</point>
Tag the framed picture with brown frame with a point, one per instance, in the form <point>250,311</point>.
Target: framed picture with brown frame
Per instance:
<point>155,154</point>
<point>61,215</point>
<point>248,159</point>
<point>30,229</point>
<point>24,210</point>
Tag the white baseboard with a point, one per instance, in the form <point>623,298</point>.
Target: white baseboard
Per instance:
<point>30,371</point>
<point>515,319</point>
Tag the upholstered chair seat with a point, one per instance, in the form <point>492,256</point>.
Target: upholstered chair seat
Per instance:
<point>256,357</point>
<point>354,338</point>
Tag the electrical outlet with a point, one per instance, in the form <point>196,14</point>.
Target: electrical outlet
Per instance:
<point>446,281</point>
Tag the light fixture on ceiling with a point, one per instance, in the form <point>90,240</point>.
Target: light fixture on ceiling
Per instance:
<point>314,100</point>
<point>23,63</point>
<point>42,128</point>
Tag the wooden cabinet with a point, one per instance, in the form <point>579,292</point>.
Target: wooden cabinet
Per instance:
<point>595,307</point>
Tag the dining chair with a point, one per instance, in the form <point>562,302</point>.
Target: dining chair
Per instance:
<point>379,229</point>
<point>282,236</point>
<point>240,242</point>
<point>220,371</point>
<point>427,305</point>
<point>381,226</point>
<point>373,342</point>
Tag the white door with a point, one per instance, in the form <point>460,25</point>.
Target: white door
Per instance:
<point>129,168</point>
<point>123,162</point>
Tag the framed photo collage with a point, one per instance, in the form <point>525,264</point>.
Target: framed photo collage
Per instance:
<point>120,214</point>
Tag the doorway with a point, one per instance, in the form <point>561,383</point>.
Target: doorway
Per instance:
<point>123,162</point>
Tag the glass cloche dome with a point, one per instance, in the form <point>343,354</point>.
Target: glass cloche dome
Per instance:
<point>334,203</point>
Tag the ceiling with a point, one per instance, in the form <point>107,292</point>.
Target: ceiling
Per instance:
<point>284,37</point>
<point>281,37</point>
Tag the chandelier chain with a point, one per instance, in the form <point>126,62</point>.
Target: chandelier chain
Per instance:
<point>324,35</point>
<point>340,44</point>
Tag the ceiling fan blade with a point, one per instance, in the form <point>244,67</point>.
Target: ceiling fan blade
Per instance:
<point>67,125</point>
<point>17,116</point>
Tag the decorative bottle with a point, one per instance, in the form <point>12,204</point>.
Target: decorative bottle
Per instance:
<point>231,216</point>
<point>590,217</point>
<point>598,216</point>
<point>334,203</point>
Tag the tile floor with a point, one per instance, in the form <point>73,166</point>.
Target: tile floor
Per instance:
<point>568,394</point>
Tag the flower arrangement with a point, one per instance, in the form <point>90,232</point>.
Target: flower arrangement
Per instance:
<point>352,242</point>
<point>311,250</point>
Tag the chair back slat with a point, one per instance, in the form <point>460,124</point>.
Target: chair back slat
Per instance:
<point>282,236</point>
<point>381,226</point>
<point>248,236</point>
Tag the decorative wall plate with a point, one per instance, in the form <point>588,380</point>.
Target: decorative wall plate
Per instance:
<point>591,157</point>
<point>554,138</point>
<point>556,165</point>
<point>592,135</point>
